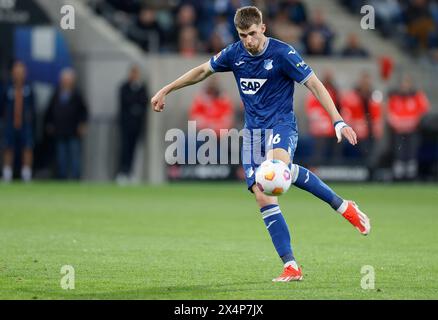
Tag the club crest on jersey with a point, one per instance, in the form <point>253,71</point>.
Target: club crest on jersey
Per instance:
<point>268,64</point>
<point>251,86</point>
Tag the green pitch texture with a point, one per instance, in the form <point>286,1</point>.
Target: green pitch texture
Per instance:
<point>208,241</point>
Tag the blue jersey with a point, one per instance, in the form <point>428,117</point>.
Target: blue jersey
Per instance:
<point>265,81</point>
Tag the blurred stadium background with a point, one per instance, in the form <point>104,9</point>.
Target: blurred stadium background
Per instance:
<point>166,38</point>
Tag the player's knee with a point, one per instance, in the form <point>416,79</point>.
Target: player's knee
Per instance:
<point>279,154</point>
<point>262,199</point>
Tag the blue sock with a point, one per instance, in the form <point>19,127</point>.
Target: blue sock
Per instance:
<point>306,180</point>
<point>278,230</point>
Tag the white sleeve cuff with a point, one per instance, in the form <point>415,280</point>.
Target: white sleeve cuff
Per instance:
<point>210,67</point>
<point>338,128</point>
<point>306,78</point>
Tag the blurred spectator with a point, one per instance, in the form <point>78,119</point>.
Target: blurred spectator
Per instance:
<point>186,16</point>
<point>146,31</point>
<point>224,30</point>
<point>133,96</point>
<point>206,15</point>
<point>316,44</point>
<point>352,5</point>
<point>118,12</point>
<point>215,44</point>
<point>130,6</point>
<point>434,10</point>
<point>419,22</point>
<point>320,124</point>
<point>19,115</point>
<point>363,112</point>
<point>188,42</point>
<point>212,108</point>
<point>433,38</point>
<point>406,107</point>
<point>184,37</point>
<point>388,15</point>
<point>354,48</point>
<point>190,27</point>
<point>414,22</point>
<point>296,11</point>
<point>318,36</point>
<point>66,118</point>
<point>283,29</point>
<point>229,7</point>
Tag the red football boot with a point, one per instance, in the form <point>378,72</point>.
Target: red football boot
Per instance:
<point>357,218</point>
<point>289,274</point>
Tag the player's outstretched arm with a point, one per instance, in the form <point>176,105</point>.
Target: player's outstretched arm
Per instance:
<point>191,77</point>
<point>321,93</point>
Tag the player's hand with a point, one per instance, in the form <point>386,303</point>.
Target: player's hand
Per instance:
<point>349,134</point>
<point>343,130</point>
<point>157,101</point>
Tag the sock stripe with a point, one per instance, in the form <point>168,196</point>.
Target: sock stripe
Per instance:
<point>295,171</point>
<point>343,207</point>
<point>270,214</point>
<point>270,211</point>
<point>268,207</point>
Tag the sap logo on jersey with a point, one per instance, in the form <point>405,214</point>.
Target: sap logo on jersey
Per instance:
<point>251,86</point>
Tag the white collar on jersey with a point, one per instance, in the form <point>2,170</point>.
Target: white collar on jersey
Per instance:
<point>263,51</point>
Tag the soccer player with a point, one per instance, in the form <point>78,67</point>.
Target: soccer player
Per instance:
<point>266,70</point>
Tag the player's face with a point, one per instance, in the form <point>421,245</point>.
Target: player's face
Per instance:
<point>253,38</point>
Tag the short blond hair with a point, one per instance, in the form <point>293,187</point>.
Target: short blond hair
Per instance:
<point>245,17</point>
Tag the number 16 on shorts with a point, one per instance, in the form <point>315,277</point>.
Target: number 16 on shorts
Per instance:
<point>274,139</point>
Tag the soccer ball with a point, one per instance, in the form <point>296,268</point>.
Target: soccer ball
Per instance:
<point>273,177</point>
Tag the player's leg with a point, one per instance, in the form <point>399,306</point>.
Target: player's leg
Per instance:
<point>282,148</point>
<point>8,154</point>
<point>74,148</point>
<point>301,177</point>
<point>281,139</point>
<point>26,169</point>
<point>271,213</point>
<point>27,153</point>
<point>279,232</point>
<point>61,158</point>
<point>8,160</point>
<point>306,180</point>
<point>275,224</point>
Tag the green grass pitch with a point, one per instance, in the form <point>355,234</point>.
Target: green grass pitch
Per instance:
<point>208,241</point>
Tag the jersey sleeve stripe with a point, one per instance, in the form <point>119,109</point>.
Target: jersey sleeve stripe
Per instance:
<point>210,67</point>
<point>306,78</point>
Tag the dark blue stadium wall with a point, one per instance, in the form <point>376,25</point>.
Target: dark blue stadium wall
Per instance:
<point>44,51</point>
